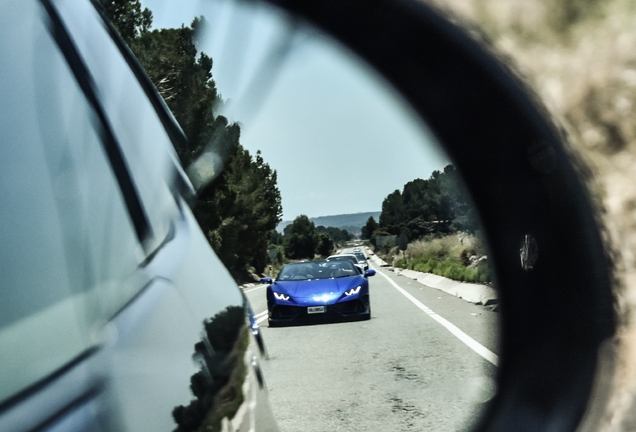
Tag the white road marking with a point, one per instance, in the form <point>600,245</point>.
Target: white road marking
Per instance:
<point>470,342</point>
<point>261,316</point>
<point>256,288</point>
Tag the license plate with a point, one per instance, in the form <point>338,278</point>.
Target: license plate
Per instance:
<point>315,309</point>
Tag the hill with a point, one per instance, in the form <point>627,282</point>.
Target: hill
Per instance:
<point>351,222</point>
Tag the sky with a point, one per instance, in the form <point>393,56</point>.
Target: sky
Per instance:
<point>339,138</point>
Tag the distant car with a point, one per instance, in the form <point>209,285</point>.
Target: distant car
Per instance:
<point>348,257</point>
<point>362,260</point>
<point>318,291</point>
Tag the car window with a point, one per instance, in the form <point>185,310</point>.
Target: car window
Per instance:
<point>143,139</point>
<point>66,231</point>
<point>350,258</point>
<point>342,268</point>
<point>317,270</point>
<point>295,272</point>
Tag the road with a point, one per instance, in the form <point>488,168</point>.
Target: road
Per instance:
<point>424,362</point>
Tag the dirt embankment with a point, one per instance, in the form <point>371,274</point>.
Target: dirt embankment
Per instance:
<point>579,56</point>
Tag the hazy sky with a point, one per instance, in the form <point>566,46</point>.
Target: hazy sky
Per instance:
<point>339,139</point>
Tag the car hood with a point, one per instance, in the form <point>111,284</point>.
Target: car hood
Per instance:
<point>318,287</point>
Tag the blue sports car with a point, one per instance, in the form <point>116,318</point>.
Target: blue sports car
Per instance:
<point>317,291</point>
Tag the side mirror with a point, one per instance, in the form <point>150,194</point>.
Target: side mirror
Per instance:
<point>266,280</point>
<point>369,272</point>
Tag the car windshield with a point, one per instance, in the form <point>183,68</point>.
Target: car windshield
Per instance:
<point>360,256</point>
<point>317,270</point>
<point>350,258</point>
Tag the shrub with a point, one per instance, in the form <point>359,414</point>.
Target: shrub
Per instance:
<point>421,267</point>
<point>454,271</point>
<point>447,256</point>
<point>465,255</point>
<point>483,274</point>
<point>401,263</point>
<point>388,245</point>
<point>432,264</point>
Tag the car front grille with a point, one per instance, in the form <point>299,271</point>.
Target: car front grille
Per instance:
<point>343,309</point>
<point>350,307</point>
<point>283,312</point>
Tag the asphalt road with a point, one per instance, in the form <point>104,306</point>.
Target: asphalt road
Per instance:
<point>410,368</point>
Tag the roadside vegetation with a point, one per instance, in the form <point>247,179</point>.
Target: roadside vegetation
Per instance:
<point>431,226</point>
<point>457,256</point>
<point>302,239</point>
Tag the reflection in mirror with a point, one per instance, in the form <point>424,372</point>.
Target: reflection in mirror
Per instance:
<point>217,386</point>
<point>302,127</point>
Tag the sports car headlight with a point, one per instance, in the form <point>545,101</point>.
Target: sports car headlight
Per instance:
<point>280,296</point>
<point>353,291</point>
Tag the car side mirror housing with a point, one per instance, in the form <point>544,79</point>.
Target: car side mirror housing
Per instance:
<point>266,280</point>
<point>369,272</point>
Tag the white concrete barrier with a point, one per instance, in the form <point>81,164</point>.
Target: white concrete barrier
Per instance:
<point>474,293</point>
<point>377,260</point>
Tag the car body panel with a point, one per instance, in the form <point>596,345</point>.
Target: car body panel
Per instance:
<point>114,301</point>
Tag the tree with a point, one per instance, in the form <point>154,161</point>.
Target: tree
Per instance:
<point>336,235</point>
<point>393,214</point>
<point>403,241</point>
<point>439,204</point>
<point>301,238</point>
<point>325,245</point>
<point>275,238</point>
<point>420,199</point>
<point>369,228</point>
<point>183,78</point>
<point>460,208</point>
<point>240,209</point>
<point>128,18</point>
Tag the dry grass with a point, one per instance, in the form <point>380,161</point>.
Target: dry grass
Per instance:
<point>448,246</point>
<point>453,256</point>
<point>580,58</point>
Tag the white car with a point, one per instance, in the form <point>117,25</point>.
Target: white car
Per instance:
<point>350,257</point>
<point>109,288</point>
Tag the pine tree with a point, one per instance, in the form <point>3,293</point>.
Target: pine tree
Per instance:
<point>243,205</point>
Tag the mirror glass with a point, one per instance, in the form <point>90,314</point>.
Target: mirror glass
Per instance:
<point>342,142</point>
